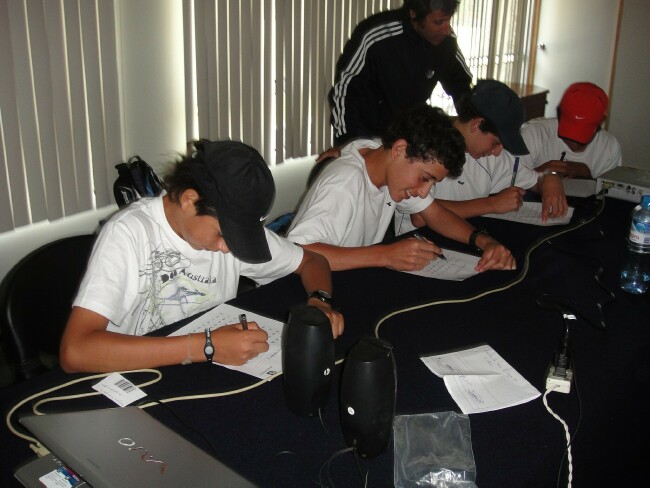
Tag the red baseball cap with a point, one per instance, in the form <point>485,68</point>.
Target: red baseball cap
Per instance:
<point>582,110</point>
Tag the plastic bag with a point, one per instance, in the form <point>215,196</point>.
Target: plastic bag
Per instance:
<point>433,450</point>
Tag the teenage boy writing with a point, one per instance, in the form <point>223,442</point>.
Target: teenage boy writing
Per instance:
<point>166,258</point>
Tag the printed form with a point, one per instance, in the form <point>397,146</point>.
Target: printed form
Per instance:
<point>531,213</point>
<point>263,366</point>
<point>457,267</point>
<point>479,380</point>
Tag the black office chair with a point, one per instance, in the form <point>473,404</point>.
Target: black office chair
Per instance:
<point>35,299</point>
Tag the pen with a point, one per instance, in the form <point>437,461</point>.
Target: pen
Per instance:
<point>563,156</point>
<point>514,171</point>
<point>243,321</point>
<point>420,238</point>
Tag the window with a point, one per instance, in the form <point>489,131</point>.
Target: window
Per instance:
<point>495,38</point>
<point>259,70</point>
<point>59,123</point>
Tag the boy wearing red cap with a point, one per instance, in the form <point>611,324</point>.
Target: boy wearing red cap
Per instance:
<point>574,145</point>
<point>166,258</point>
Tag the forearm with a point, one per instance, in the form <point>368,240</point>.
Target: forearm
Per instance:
<point>104,351</point>
<point>314,271</point>
<point>342,258</point>
<point>469,208</point>
<point>447,223</point>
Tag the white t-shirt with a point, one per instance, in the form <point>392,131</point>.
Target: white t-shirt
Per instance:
<point>485,176</point>
<point>344,208</point>
<point>143,276</point>
<point>602,154</point>
<point>479,179</point>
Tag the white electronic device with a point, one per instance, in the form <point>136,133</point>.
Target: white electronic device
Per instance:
<point>624,183</point>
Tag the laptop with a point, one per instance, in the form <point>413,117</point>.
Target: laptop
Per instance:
<point>127,447</point>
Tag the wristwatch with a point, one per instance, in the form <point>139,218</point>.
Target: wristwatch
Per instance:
<point>208,348</point>
<point>323,296</point>
<point>473,236</point>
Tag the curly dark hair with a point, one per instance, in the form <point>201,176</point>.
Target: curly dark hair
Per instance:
<point>180,178</point>
<point>467,111</point>
<point>430,136</point>
<point>422,8</point>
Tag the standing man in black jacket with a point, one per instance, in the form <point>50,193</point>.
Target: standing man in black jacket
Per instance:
<point>393,61</point>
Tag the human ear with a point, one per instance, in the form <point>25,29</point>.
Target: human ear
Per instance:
<point>399,148</point>
<point>188,199</point>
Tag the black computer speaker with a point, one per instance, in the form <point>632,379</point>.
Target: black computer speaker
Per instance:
<point>307,360</point>
<point>367,399</point>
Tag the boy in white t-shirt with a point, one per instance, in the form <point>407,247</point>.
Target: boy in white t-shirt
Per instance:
<point>492,181</point>
<point>166,258</point>
<point>574,145</point>
<point>348,209</point>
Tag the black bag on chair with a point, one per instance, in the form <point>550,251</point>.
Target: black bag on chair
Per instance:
<point>136,179</point>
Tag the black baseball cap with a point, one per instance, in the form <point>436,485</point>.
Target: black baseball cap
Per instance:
<point>497,103</point>
<point>236,180</point>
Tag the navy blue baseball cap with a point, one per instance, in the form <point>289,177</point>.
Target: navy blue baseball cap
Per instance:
<point>235,179</point>
<point>497,103</point>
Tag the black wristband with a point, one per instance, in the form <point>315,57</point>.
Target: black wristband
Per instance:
<point>475,233</point>
<point>208,348</point>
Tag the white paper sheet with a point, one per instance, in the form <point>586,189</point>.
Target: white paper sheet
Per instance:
<point>457,267</point>
<point>531,213</point>
<point>263,366</point>
<point>479,380</point>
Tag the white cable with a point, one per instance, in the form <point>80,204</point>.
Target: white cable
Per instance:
<point>566,430</point>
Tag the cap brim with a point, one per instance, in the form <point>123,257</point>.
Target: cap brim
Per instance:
<point>514,143</point>
<point>579,132</point>
<point>246,242</point>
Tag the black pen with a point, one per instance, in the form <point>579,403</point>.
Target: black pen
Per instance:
<point>563,156</point>
<point>420,238</point>
<point>243,321</point>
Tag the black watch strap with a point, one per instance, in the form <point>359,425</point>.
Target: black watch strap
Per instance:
<point>474,235</point>
<point>323,296</point>
<point>208,348</point>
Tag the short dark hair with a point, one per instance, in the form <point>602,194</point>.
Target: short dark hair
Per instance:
<point>422,8</point>
<point>430,136</point>
<point>180,178</point>
<point>467,111</point>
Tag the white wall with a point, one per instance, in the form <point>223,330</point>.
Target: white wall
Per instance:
<point>153,80</point>
<point>580,45</point>
<point>579,39</point>
<point>629,117</point>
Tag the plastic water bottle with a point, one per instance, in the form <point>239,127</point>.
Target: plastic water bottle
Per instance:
<point>635,275</point>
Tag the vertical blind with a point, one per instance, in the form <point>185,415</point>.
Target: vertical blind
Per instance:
<point>495,38</point>
<point>260,70</point>
<point>59,120</point>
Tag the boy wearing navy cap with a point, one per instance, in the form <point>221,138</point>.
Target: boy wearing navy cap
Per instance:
<point>492,182</point>
<point>166,258</point>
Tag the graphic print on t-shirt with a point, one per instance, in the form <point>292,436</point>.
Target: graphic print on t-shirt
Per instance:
<point>170,284</point>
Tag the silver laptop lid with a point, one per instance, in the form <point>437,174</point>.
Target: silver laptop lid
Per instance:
<point>126,447</point>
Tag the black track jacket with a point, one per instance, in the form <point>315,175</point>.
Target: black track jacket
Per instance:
<point>386,67</point>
